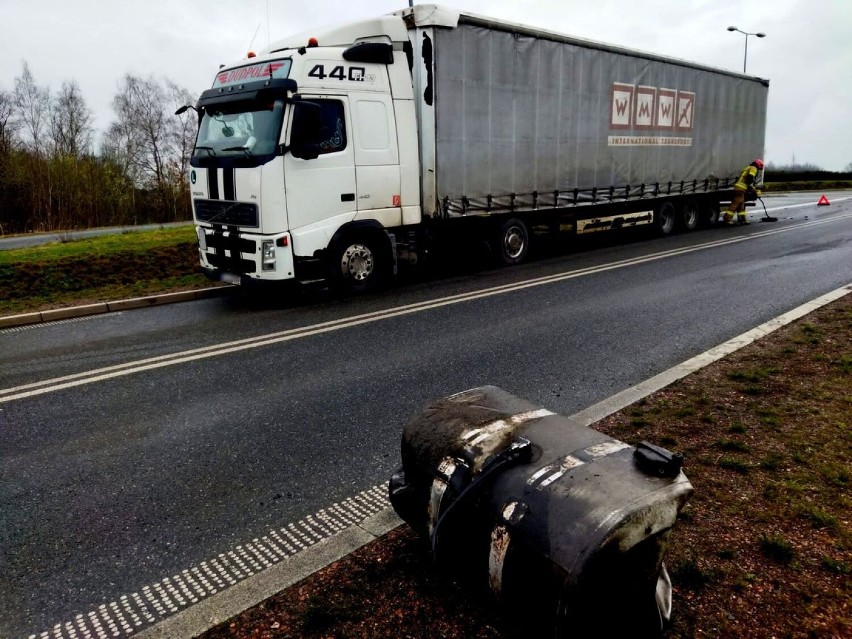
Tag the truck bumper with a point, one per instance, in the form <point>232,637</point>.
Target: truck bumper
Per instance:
<point>234,257</point>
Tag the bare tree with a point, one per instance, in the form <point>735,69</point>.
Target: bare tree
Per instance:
<point>8,127</point>
<point>119,148</point>
<point>32,104</point>
<point>182,128</point>
<point>32,114</point>
<point>70,122</point>
<point>151,142</point>
<point>8,124</point>
<point>182,131</point>
<point>141,130</point>
<point>49,178</point>
<point>69,143</point>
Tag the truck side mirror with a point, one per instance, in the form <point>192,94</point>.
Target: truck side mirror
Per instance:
<point>305,133</point>
<point>187,107</point>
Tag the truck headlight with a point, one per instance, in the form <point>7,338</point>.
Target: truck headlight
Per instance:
<point>268,255</point>
<point>202,238</point>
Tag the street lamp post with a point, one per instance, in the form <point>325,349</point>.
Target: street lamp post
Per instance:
<point>746,34</point>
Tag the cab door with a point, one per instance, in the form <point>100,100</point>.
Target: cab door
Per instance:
<point>321,192</point>
<point>377,172</point>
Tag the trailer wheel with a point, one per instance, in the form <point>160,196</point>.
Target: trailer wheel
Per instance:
<point>711,214</point>
<point>356,265</point>
<point>512,242</point>
<point>690,215</point>
<point>664,219</point>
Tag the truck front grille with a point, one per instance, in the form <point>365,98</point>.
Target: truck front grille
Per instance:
<point>226,212</point>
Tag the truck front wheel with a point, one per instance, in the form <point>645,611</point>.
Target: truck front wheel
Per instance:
<point>356,265</point>
<point>512,242</point>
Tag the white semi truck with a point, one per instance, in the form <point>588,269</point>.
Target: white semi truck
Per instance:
<point>351,150</point>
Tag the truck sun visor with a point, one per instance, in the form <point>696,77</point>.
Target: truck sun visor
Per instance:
<point>248,91</point>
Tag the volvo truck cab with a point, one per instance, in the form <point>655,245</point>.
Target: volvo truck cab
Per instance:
<point>305,165</point>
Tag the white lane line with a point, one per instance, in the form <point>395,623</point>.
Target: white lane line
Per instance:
<point>138,366</point>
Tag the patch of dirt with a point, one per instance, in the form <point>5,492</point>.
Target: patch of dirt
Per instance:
<point>763,549</point>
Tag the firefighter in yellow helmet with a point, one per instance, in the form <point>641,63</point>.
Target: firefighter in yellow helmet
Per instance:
<point>745,185</point>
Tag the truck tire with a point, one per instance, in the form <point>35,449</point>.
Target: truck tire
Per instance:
<point>356,264</point>
<point>711,214</point>
<point>664,218</point>
<point>690,215</point>
<point>512,243</point>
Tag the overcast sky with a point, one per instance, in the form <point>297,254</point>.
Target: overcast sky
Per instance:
<point>806,54</point>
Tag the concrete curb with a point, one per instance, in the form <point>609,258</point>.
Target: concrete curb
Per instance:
<point>12,321</point>
<point>214,610</point>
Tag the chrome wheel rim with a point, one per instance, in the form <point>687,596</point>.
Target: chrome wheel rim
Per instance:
<point>357,262</point>
<point>514,242</point>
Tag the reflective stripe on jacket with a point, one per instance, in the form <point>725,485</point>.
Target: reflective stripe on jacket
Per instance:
<point>746,178</point>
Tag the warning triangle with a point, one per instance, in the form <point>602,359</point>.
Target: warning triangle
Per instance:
<point>823,201</point>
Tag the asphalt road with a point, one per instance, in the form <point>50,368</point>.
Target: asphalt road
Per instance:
<point>114,479</point>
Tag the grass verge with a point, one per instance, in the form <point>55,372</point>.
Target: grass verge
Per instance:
<point>99,269</point>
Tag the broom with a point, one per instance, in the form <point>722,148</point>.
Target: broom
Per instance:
<point>767,217</point>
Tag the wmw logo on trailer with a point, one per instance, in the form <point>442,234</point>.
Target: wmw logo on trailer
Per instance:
<point>646,108</point>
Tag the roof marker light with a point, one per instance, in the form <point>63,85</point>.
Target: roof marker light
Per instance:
<point>312,42</point>
<point>251,54</point>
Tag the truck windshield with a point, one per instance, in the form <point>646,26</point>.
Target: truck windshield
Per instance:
<point>241,129</point>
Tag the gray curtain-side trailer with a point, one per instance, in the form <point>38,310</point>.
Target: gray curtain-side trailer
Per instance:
<point>521,121</point>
